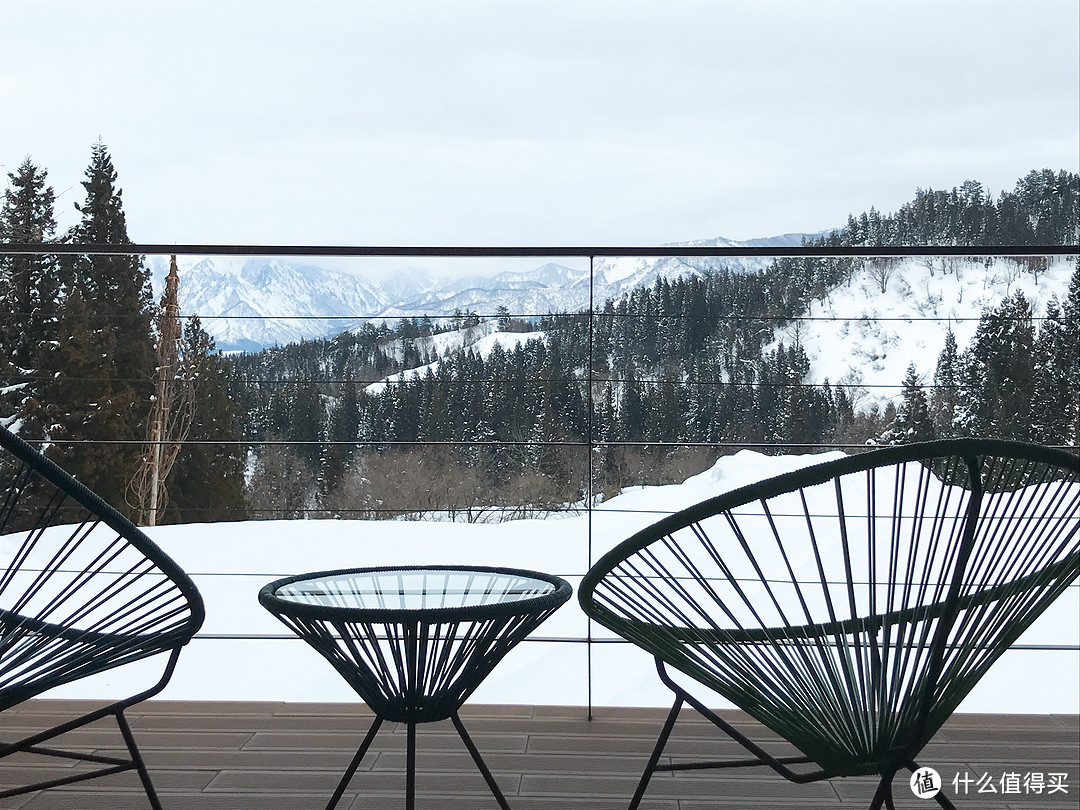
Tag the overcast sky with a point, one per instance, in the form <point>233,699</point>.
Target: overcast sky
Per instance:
<point>478,122</point>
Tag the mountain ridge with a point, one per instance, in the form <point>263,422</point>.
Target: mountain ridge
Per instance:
<point>247,304</point>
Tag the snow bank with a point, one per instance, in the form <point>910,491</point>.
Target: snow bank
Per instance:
<point>232,561</point>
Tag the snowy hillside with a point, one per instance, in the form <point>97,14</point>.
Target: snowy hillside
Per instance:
<point>481,339</point>
<point>862,336</point>
<point>232,561</point>
<point>858,335</point>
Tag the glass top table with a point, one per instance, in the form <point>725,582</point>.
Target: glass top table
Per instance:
<point>415,641</point>
<point>413,589</point>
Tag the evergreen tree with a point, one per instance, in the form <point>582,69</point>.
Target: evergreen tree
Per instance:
<point>999,373</point>
<point>115,315</point>
<point>669,406</point>
<point>29,294</point>
<point>1070,315</point>
<point>343,427</point>
<point>207,482</point>
<point>1055,402</point>
<point>912,422</point>
<point>632,416</point>
<point>946,397</point>
<point>1050,401</point>
<point>73,407</point>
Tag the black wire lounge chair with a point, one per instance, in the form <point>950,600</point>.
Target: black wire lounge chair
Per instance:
<point>850,606</point>
<point>82,590</point>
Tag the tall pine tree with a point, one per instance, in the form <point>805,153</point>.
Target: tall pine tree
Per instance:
<point>207,482</point>
<point>946,397</point>
<point>108,406</point>
<point>29,295</point>
<point>1055,403</point>
<point>999,373</point>
<point>912,422</point>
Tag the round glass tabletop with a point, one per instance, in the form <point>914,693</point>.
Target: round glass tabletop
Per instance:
<point>413,588</point>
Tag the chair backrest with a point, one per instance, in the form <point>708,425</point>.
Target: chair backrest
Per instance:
<point>852,605</point>
<point>82,589</point>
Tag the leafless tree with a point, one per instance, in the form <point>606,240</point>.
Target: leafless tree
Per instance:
<point>282,483</point>
<point>881,270</point>
<point>171,409</point>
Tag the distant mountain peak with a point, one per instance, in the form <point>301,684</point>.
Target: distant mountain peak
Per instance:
<point>249,303</point>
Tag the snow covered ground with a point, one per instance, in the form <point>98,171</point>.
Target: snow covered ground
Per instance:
<point>232,561</point>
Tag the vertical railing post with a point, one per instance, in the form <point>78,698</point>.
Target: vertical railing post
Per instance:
<point>590,449</point>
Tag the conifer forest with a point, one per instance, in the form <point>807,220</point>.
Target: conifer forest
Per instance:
<point>648,388</point>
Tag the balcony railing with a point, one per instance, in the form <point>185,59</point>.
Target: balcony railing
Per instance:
<point>580,644</point>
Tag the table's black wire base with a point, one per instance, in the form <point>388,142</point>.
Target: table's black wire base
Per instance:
<point>410,763</point>
<point>415,663</point>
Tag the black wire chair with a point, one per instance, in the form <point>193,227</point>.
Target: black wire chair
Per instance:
<point>850,606</point>
<point>82,590</point>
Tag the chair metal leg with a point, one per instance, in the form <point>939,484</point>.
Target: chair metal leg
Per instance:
<point>113,765</point>
<point>884,789</point>
<point>137,760</point>
<point>355,763</point>
<point>492,784</point>
<point>658,749</point>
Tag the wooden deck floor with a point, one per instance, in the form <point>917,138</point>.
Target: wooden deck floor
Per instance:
<point>265,756</point>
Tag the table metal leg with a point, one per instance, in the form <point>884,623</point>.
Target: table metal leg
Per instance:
<point>355,763</point>
<point>492,784</point>
<point>410,766</point>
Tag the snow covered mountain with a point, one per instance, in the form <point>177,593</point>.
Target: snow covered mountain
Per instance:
<point>547,289</point>
<point>617,276</point>
<point>250,303</point>
<point>859,335</point>
<point>246,304</point>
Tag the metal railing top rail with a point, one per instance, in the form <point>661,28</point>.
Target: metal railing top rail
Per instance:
<point>584,252</point>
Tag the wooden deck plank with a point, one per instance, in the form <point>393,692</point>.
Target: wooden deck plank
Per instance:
<point>288,756</point>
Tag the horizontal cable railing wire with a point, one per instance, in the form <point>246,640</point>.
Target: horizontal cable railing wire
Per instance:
<point>1028,647</point>
<point>581,444</point>
<point>582,252</point>
<point>98,315</point>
